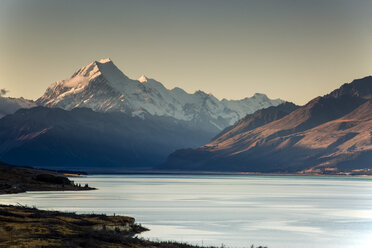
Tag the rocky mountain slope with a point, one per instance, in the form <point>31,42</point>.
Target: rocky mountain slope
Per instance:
<point>330,133</point>
<point>102,87</point>
<point>258,118</point>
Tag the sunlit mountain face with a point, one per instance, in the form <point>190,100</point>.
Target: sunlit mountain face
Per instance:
<point>329,134</point>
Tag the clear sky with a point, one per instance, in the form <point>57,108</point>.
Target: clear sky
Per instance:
<point>289,49</point>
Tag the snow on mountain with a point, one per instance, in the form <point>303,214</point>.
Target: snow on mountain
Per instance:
<point>9,105</point>
<point>143,79</point>
<point>102,87</point>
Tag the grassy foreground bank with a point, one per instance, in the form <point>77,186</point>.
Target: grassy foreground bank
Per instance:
<point>29,227</point>
<point>22,226</point>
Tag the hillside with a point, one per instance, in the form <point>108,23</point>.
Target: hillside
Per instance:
<point>82,139</point>
<point>329,134</point>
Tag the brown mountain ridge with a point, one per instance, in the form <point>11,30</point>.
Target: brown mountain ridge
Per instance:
<point>329,133</point>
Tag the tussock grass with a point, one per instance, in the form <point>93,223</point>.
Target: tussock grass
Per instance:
<point>22,226</point>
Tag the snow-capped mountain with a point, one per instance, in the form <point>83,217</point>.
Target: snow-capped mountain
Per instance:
<point>9,105</point>
<point>102,87</point>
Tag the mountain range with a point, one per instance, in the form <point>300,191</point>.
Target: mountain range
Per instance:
<point>332,133</point>
<point>101,120</point>
<point>102,87</point>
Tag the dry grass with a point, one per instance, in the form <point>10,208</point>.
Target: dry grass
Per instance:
<point>21,226</point>
<point>29,227</point>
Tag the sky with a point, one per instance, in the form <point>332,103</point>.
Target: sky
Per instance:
<point>289,49</point>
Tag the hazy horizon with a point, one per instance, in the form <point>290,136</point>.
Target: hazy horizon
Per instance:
<point>293,50</point>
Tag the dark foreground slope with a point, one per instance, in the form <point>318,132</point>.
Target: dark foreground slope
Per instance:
<point>88,140</point>
<point>330,133</point>
<point>15,179</point>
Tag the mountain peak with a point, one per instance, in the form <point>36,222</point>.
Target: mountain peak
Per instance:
<point>104,67</point>
<point>143,79</point>
<point>95,68</point>
<point>106,60</point>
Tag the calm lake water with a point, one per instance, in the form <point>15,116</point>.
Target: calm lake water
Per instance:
<point>237,211</point>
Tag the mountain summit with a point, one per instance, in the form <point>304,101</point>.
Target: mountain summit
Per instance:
<point>143,79</point>
<point>102,87</point>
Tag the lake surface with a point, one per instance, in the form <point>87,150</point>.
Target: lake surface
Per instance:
<point>237,211</point>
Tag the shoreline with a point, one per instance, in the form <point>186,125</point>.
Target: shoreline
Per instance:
<point>225,173</point>
<point>14,179</point>
<point>23,226</point>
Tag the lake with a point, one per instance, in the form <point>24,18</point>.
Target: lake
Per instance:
<point>233,210</point>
